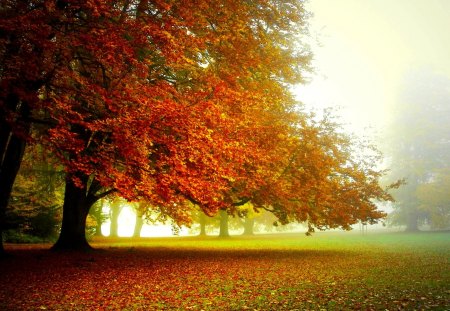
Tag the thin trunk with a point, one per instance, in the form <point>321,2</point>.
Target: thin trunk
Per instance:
<point>248,226</point>
<point>97,213</point>
<point>75,211</point>
<point>224,224</point>
<point>138,225</point>
<point>115,209</point>
<point>98,229</point>
<point>114,226</point>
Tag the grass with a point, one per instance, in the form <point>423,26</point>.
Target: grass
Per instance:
<point>328,271</point>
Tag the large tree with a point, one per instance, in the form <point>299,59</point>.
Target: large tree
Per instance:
<point>174,103</point>
<point>150,99</point>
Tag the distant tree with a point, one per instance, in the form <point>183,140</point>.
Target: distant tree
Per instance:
<point>223,227</point>
<point>139,209</point>
<point>202,223</point>
<point>249,224</point>
<point>254,221</point>
<point>99,216</point>
<point>434,198</point>
<point>115,208</point>
<point>419,150</point>
<point>247,216</point>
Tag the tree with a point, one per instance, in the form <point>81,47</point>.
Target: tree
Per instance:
<point>223,227</point>
<point>434,198</point>
<point>168,103</point>
<point>249,223</point>
<point>247,216</point>
<point>115,207</point>
<point>205,223</point>
<point>139,209</point>
<point>99,216</point>
<point>202,223</point>
<point>186,87</point>
<point>419,149</point>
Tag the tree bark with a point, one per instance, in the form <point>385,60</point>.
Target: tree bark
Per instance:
<point>224,224</point>
<point>115,209</point>
<point>138,225</point>
<point>98,229</point>
<point>97,212</point>
<point>248,226</point>
<point>202,221</point>
<point>412,221</point>
<point>75,211</point>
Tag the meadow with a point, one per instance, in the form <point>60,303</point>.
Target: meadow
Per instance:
<point>328,271</point>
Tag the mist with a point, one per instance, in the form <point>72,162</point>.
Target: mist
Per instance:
<point>383,67</point>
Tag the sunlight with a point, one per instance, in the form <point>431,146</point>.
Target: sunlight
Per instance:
<point>364,51</point>
<point>127,221</point>
<point>156,231</point>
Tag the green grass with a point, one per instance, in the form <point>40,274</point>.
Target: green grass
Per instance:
<point>328,271</point>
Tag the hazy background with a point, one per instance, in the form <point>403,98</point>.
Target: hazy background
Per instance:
<point>364,49</point>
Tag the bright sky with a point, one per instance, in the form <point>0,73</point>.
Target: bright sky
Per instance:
<point>366,49</point>
<point>127,220</point>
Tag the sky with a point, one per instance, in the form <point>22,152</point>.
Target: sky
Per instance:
<point>364,49</point>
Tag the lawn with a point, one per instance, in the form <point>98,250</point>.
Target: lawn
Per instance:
<point>328,271</point>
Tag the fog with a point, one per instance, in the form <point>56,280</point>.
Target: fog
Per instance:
<point>364,51</point>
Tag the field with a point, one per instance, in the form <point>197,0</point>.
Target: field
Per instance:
<point>328,271</point>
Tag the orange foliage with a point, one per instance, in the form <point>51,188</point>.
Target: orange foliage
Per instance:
<point>166,101</point>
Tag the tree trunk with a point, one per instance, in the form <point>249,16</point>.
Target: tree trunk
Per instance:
<point>223,224</point>
<point>138,225</point>
<point>97,212</point>
<point>412,221</point>
<point>248,226</point>
<point>75,211</point>
<point>98,229</point>
<point>115,209</point>
<point>202,221</point>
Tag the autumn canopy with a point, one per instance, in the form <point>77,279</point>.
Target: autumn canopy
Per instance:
<point>173,102</point>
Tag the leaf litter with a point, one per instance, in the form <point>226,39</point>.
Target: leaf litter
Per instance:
<point>239,277</point>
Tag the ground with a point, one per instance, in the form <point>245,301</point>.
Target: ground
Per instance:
<point>328,271</point>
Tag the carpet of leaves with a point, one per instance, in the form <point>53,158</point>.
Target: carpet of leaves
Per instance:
<point>234,274</point>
